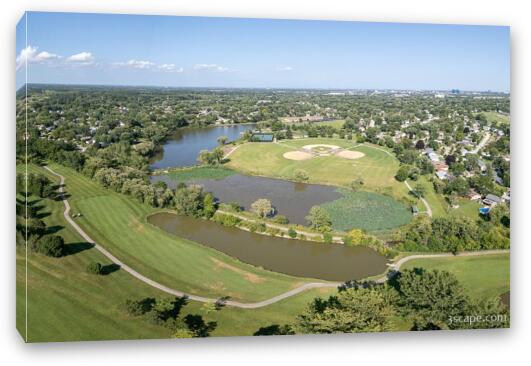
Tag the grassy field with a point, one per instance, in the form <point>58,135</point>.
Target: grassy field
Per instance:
<point>66,303</point>
<point>495,118</point>
<point>483,276</point>
<point>377,168</point>
<point>368,211</point>
<point>440,207</point>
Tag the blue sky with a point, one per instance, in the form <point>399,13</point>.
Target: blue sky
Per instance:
<point>70,48</point>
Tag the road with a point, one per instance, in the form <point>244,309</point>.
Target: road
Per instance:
<point>481,144</point>
<point>252,305</point>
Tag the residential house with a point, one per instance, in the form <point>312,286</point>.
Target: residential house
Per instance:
<point>492,200</point>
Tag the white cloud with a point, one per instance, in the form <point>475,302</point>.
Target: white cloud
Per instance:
<point>140,64</point>
<point>214,67</point>
<point>82,58</point>
<point>170,68</point>
<point>284,68</point>
<point>30,55</point>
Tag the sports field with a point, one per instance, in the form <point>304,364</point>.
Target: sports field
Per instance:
<point>483,276</point>
<point>377,167</point>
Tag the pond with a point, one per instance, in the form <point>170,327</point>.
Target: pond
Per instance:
<point>333,262</point>
<point>290,199</point>
<point>183,147</point>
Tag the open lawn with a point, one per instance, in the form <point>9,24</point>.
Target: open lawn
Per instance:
<point>483,276</point>
<point>368,211</point>
<point>495,118</point>
<point>440,207</point>
<point>377,168</point>
<point>66,303</point>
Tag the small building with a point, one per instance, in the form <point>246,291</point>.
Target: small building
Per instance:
<point>262,137</point>
<point>440,166</point>
<point>441,174</point>
<point>473,195</point>
<point>482,165</point>
<point>491,200</point>
<point>433,157</point>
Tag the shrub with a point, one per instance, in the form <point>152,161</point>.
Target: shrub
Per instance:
<point>327,238</point>
<point>281,219</point>
<point>95,268</point>
<point>226,220</point>
<point>300,175</point>
<point>347,240</point>
<point>292,233</point>
<point>50,245</point>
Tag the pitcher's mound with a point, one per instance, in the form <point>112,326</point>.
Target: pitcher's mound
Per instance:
<point>348,154</point>
<point>297,155</point>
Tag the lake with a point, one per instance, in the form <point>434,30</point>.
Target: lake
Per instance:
<point>290,199</point>
<point>333,262</point>
<point>183,147</point>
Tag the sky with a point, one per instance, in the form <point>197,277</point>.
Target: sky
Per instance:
<point>170,51</point>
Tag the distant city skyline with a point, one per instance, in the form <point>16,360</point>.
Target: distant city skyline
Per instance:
<point>168,51</point>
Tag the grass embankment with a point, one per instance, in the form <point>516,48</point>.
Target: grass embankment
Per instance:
<point>482,276</point>
<point>67,304</point>
<point>64,302</point>
<point>368,211</point>
<point>376,168</point>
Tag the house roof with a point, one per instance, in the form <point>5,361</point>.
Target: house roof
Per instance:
<point>263,136</point>
<point>493,198</point>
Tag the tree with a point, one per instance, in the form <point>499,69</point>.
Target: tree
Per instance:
<point>430,297</point>
<point>319,219</point>
<point>189,201</point>
<point>402,173</point>
<point>50,245</point>
<point>420,145</point>
<point>419,190</point>
<point>301,175</point>
<point>356,236</point>
<point>262,207</point>
<point>209,205</point>
<point>222,140</point>
<point>352,310</point>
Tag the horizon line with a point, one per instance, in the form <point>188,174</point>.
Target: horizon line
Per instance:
<point>264,88</point>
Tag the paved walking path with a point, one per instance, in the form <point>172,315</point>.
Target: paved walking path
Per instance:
<point>171,291</point>
<point>237,304</point>
<point>428,208</point>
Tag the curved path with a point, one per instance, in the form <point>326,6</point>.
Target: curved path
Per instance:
<point>396,266</point>
<point>254,305</point>
<point>166,289</point>
<point>428,208</point>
